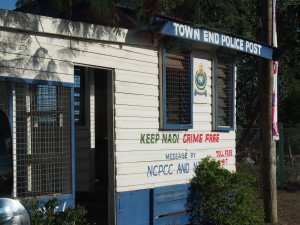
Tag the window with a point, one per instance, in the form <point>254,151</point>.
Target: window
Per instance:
<point>224,94</point>
<point>79,95</point>
<point>177,89</point>
<point>42,139</point>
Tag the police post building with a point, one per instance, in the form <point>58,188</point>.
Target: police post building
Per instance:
<point>116,120</point>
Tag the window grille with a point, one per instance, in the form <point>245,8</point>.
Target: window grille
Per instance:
<point>43,140</point>
<point>225,93</point>
<point>79,95</point>
<point>178,94</point>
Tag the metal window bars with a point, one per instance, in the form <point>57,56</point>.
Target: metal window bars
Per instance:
<point>178,88</point>
<point>225,92</point>
<point>43,140</point>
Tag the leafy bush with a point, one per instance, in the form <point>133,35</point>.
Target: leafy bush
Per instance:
<point>44,213</point>
<point>220,197</point>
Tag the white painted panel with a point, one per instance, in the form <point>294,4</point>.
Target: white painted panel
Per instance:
<point>142,178</point>
<point>113,62</point>
<point>202,117</point>
<point>202,99</point>
<point>224,144</point>
<point>120,146</point>
<point>139,120</point>
<point>17,41</point>
<point>160,184</point>
<point>135,134</point>
<point>136,124</point>
<point>134,88</point>
<point>41,50</point>
<point>133,77</point>
<point>202,108</point>
<point>171,166</point>
<point>202,126</point>
<point>43,64</point>
<point>155,156</point>
<point>147,50</point>
<point>135,100</point>
<point>43,24</point>
<point>113,50</point>
<point>137,112</point>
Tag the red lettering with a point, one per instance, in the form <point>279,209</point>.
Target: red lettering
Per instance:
<point>223,162</point>
<point>184,138</point>
<point>189,138</point>
<point>214,138</point>
<point>206,137</point>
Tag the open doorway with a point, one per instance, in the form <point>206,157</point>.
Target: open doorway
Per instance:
<point>94,164</point>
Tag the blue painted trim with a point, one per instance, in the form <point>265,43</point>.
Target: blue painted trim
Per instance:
<point>133,207</point>
<point>153,206</point>
<point>33,81</point>
<point>72,141</point>
<point>170,199</point>
<point>197,34</point>
<point>217,127</point>
<point>165,122</point>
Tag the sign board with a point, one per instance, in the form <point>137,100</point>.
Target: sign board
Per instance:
<point>216,38</point>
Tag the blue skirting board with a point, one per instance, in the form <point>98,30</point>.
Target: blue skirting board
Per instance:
<point>157,206</point>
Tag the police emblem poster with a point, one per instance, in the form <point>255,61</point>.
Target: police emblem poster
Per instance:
<point>201,75</point>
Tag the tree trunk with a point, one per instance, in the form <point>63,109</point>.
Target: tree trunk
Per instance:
<point>268,146</point>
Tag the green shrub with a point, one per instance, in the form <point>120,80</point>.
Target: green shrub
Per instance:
<point>44,213</point>
<point>220,197</point>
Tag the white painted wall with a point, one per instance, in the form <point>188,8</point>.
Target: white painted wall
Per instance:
<point>45,52</point>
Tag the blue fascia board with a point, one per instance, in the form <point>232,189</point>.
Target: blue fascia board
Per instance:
<point>212,37</point>
<point>35,81</point>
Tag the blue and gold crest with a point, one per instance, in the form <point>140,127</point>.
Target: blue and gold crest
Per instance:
<point>200,81</point>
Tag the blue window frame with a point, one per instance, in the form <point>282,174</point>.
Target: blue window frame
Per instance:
<point>79,95</point>
<point>224,93</point>
<point>177,89</point>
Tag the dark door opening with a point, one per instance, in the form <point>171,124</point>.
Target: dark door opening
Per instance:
<point>6,157</point>
<point>95,179</point>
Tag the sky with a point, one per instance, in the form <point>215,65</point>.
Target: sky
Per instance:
<point>7,4</point>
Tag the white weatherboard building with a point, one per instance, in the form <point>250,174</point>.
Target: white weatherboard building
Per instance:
<point>116,121</point>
